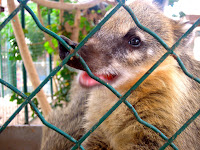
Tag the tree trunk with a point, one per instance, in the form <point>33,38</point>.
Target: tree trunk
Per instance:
<point>75,29</point>
<point>27,59</point>
<point>61,19</point>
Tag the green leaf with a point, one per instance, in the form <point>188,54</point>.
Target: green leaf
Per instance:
<point>50,50</point>
<point>71,22</point>
<point>25,31</point>
<point>98,11</point>
<point>46,44</point>
<point>108,7</point>
<point>55,42</point>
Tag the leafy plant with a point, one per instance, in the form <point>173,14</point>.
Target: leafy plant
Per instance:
<point>64,78</point>
<point>14,53</point>
<point>36,42</point>
<point>49,49</point>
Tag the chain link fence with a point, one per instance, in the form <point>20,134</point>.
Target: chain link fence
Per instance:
<point>122,98</point>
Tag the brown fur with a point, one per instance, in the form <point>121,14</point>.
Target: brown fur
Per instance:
<point>166,99</point>
<point>68,120</point>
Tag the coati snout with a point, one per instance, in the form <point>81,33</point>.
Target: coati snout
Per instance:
<point>84,79</point>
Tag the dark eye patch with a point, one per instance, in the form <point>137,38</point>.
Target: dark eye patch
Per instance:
<point>132,38</point>
<point>130,33</point>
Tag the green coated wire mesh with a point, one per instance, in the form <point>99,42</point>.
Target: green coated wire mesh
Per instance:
<point>122,98</point>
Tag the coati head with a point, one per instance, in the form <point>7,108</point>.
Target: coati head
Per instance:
<point>120,50</point>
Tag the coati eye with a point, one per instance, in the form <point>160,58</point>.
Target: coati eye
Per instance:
<point>135,42</point>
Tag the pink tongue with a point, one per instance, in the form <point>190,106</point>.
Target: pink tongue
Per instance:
<point>87,81</point>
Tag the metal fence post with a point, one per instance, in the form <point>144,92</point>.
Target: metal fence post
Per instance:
<point>24,70</point>
<point>50,56</point>
<point>1,63</point>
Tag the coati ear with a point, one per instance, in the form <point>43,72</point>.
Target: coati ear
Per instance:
<point>179,28</point>
<point>160,4</point>
<point>63,52</point>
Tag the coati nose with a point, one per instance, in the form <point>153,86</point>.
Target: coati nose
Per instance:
<point>63,52</point>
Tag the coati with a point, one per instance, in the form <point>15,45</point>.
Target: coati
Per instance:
<point>120,53</point>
